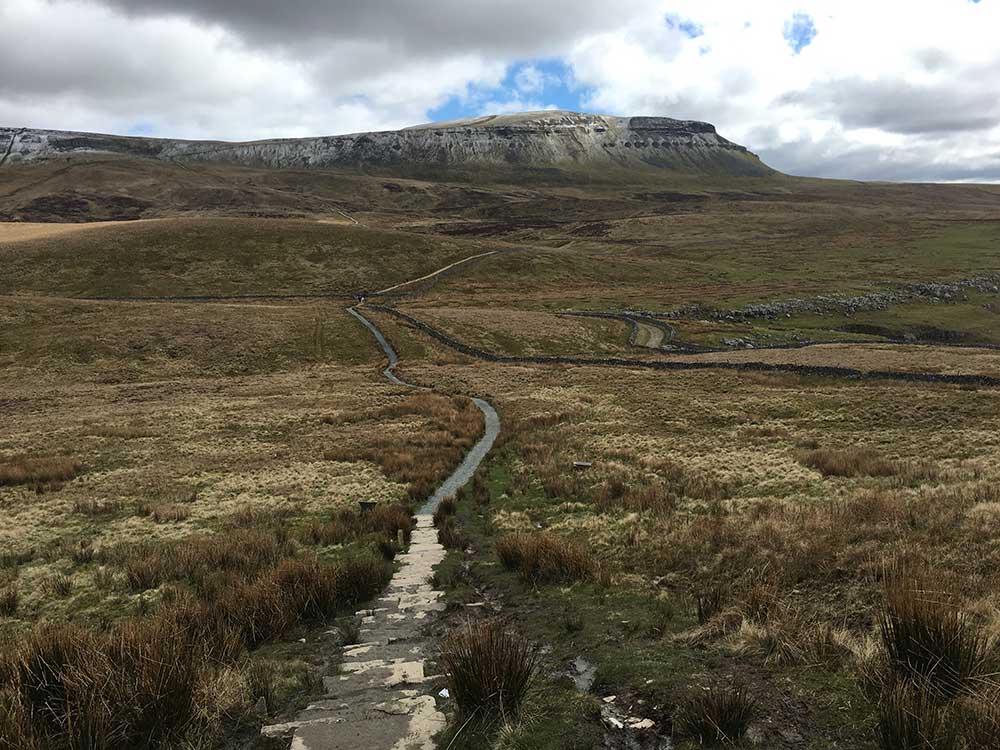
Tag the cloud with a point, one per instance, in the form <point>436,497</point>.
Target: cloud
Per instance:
<point>529,79</point>
<point>435,28</point>
<point>848,88</point>
<point>895,105</point>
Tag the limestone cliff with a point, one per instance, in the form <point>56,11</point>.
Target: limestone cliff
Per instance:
<point>532,139</point>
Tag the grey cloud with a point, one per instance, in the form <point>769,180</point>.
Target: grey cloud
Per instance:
<point>513,27</point>
<point>899,107</point>
<point>835,157</point>
<point>933,60</point>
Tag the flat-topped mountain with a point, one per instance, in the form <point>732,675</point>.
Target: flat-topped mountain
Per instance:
<point>530,139</point>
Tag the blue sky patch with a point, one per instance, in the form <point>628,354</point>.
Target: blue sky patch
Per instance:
<point>686,26</point>
<point>528,84</point>
<point>800,30</point>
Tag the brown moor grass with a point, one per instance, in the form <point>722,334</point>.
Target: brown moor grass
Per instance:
<point>37,469</point>
<point>424,457</point>
<point>141,683</point>
<point>544,557</point>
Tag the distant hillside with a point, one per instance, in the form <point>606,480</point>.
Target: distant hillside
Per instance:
<point>531,139</point>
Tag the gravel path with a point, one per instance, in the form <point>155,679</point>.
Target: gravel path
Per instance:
<point>438,272</point>
<point>381,698</point>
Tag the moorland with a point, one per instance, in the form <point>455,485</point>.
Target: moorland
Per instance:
<point>798,551</point>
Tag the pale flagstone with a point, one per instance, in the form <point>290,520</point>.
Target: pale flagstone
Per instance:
<point>379,699</point>
<point>383,699</point>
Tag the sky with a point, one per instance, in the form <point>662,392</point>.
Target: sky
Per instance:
<point>858,89</point>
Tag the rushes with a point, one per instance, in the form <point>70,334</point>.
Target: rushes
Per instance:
<point>385,522</point>
<point>198,558</point>
<point>934,680</point>
<point>545,558</point>
<point>138,684</point>
<point>860,461</point>
<point>490,670</point>
<point>716,715</point>
<point>927,639</point>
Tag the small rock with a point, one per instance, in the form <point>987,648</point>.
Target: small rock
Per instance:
<point>639,724</point>
<point>610,699</point>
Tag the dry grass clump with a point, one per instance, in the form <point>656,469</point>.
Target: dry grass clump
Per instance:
<point>489,669</point>
<point>163,512</point>
<point>860,461</point>
<point>927,639</point>
<point>909,720</point>
<point>385,522</point>
<point>37,470</point>
<point>546,558</point>
<point>935,675</point>
<point>58,584</point>
<point>71,688</point>
<point>198,559</point>
<point>94,507</point>
<point>142,684</point>
<point>253,517</point>
<point>716,715</point>
<point>447,507</point>
<point>450,536</point>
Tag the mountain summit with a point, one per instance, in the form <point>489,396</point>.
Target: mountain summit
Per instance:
<point>549,138</point>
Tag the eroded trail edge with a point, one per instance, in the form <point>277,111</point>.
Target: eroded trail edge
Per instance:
<point>380,699</point>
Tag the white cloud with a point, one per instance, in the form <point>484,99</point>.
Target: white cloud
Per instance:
<point>893,88</point>
<point>530,79</point>
<point>890,89</point>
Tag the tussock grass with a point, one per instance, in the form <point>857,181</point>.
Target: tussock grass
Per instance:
<point>37,470</point>
<point>59,585</point>
<point>163,512</point>
<point>543,557</point>
<point>716,715</point>
<point>908,719</point>
<point>142,684</point>
<point>711,602</point>
<point>198,558</point>
<point>450,536</point>
<point>384,522</point>
<point>860,461</point>
<point>447,507</point>
<point>927,639</point>
<point>935,676</point>
<point>490,670</point>
<point>94,507</point>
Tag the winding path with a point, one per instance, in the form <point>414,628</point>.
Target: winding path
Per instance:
<point>438,272</point>
<point>380,699</point>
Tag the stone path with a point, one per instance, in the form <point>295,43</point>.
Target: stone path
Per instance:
<point>381,699</point>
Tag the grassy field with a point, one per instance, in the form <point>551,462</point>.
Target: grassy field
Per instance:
<point>172,257</point>
<point>742,527</point>
<point>186,471</point>
<point>179,486</point>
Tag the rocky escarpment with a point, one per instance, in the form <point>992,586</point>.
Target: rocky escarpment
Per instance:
<point>550,138</point>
